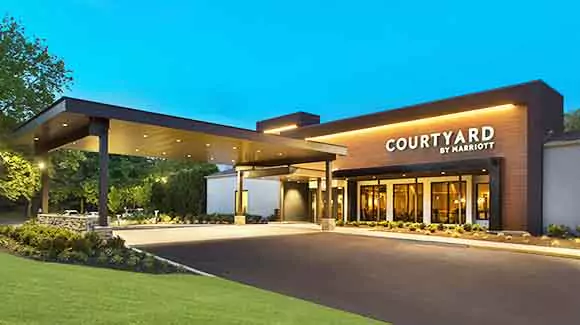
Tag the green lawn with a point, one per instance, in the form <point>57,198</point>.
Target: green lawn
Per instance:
<point>44,293</point>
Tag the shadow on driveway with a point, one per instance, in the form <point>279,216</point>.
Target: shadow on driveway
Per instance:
<point>403,282</point>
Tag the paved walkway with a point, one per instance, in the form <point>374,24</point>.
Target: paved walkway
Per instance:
<point>172,234</point>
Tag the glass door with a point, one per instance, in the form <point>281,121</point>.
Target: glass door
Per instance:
<point>373,202</point>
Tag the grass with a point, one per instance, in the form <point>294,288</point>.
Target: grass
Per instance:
<point>44,293</point>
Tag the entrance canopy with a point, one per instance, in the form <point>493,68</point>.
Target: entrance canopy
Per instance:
<point>73,124</point>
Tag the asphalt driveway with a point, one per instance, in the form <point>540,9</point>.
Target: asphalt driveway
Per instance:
<point>403,282</point>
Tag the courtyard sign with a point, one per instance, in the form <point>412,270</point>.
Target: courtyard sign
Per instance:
<point>474,139</point>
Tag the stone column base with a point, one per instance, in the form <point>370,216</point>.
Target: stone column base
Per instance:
<point>105,232</point>
<point>327,224</point>
<point>239,220</point>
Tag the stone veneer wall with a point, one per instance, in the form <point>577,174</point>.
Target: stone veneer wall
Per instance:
<point>74,223</point>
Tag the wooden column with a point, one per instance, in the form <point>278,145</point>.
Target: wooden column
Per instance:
<point>104,177</point>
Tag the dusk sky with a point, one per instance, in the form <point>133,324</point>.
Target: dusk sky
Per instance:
<point>235,62</point>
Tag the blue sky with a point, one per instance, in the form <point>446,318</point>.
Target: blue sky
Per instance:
<point>235,62</point>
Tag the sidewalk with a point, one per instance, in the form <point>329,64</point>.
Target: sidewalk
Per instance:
<point>520,248</point>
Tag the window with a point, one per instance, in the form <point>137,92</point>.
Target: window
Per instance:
<point>482,201</point>
<point>244,201</point>
<point>448,202</point>
<point>373,202</point>
<point>408,202</point>
<point>337,196</point>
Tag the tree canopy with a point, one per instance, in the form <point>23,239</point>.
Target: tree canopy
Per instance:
<point>572,121</point>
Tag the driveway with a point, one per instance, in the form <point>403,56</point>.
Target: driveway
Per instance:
<point>407,283</point>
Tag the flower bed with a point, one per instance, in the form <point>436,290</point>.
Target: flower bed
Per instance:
<point>48,243</point>
<point>559,236</point>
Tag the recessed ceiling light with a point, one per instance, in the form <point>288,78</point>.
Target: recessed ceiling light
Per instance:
<point>164,153</point>
<point>235,148</point>
<point>145,135</point>
<point>178,140</point>
<point>136,150</point>
<point>64,125</point>
<point>374,177</point>
<point>233,160</point>
<point>211,158</point>
<point>36,139</point>
<point>442,173</point>
<point>404,175</point>
<point>484,170</point>
<point>188,156</point>
<point>280,154</point>
<point>258,151</point>
<point>207,144</point>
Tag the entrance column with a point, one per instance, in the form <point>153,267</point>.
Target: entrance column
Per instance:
<point>240,218</point>
<point>104,177</point>
<point>44,181</point>
<point>328,222</point>
<point>318,215</point>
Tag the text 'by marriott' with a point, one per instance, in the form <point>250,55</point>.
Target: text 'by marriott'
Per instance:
<point>474,139</point>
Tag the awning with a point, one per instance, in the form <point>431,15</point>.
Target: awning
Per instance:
<point>67,124</point>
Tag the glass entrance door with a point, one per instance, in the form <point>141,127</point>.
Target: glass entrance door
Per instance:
<point>373,202</point>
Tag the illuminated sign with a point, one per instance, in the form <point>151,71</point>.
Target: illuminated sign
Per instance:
<point>474,139</point>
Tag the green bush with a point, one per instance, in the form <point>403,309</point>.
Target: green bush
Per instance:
<point>422,226</point>
<point>400,224</point>
<point>558,230</point>
<point>459,229</point>
<point>468,227</point>
<point>372,224</point>
<point>339,223</point>
<point>384,223</point>
<point>432,228</point>
<point>578,230</point>
<point>412,227</point>
<point>475,227</point>
<point>441,227</point>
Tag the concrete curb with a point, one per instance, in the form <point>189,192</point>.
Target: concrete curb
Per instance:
<point>472,243</point>
<point>189,269</point>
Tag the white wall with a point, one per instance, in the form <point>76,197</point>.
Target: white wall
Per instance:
<point>263,195</point>
<point>562,185</point>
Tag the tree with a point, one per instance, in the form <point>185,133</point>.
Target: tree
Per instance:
<point>30,77</point>
<point>116,200</point>
<point>19,178</point>
<point>572,121</point>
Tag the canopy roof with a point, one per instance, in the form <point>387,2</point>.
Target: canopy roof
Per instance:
<point>67,124</point>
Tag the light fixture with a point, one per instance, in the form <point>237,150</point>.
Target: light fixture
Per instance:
<point>211,158</point>
<point>164,153</point>
<point>233,161</point>
<point>281,129</point>
<point>74,142</point>
<point>280,154</point>
<point>484,170</point>
<point>136,150</point>
<point>258,151</point>
<point>145,135</point>
<point>207,144</point>
<point>41,165</point>
<point>178,140</point>
<point>235,148</point>
<point>442,173</point>
<point>64,125</point>
<point>404,175</point>
<point>374,177</point>
<point>188,156</point>
<point>36,139</point>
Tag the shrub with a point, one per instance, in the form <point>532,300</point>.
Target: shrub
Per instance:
<point>102,259</point>
<point>384,223</point>
<point>116,259</point>
<point>371,224</point>
<point>422,226</point>
<point>340,223</point>
<point>412,227</point>
<point>440,227</point>
<point>558,230</point>
<point>400,224</point>
<point>467,227</point>
<point>459,229</point>
<point>78,257</point>
<point>355,223</point>
<point>475,227</point>
<point>133,260</point>
<point>406,224</point>
<point>115,242</point>
<point>578,230</point>
<point>432,228</point>
<point>455,235</point>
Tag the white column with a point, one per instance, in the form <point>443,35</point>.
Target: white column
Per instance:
<point>427,201</point>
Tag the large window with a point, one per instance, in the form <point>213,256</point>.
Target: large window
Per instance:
<point>482,190</point>
<point>408,202</point>
<point>373,202</point>
<point>448,202</point>
<point>337,201</point>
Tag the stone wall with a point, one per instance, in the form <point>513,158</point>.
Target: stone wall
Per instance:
<point>74,223</point>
